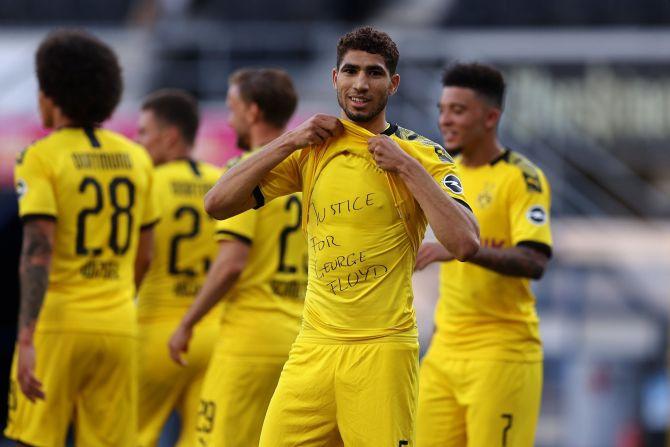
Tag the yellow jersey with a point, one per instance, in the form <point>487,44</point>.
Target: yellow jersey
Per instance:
<point>482,314</point>
<point>97,186</point>
<point>262,312</point>
<point>363,230</point>
<point>184,241</point>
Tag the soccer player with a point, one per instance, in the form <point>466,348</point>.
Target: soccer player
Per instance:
<point>481,380</point>
<point>85,199</point>
<point>369,187</point>
<point>260,273</point>
<point>183,249</point>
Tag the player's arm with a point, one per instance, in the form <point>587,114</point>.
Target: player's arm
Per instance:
<point>527,260</point>
<point>222,276</point>
<point>453,224</point>
<point>34,264</point>
<point>145,250</point>
<point>521,260</point>
<point>530,235</point>
<point>233,193</point>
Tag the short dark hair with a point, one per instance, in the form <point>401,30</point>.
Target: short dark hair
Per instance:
<point>483,79</point>
<point>271,89</point>
<point>80,74</point>
<point>177,108</point>
<point>371,41</point>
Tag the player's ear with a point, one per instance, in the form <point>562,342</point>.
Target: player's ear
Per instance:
<point>335,78</point>
<point>47,109</point>
<point>395,82</point>
<point>172,134</point>
<point>492,117</point>
<point>45,103</point>
<point>254,113</point>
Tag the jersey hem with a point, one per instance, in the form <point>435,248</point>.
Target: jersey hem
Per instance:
<point>310,334</point>
<point>150,224</point>
<point>85,330</point>
<point>235,236</point>
<point>499,356</point>
<point>542,247</point>
<point>259,197</point>
<point>27,217</point>
<point>22,440</point>
<point>464,203</point>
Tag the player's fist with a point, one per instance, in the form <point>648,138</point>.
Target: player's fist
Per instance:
<point>431,252</point>
<point>314,131</point>
<point>178,344</point>
<point>387,154</point>
<point>28,383</point>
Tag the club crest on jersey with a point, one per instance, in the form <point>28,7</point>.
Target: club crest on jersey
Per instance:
<point>537,215</point>
<point>485,198</point>
<point>21,188</point>
<point>453,183</point>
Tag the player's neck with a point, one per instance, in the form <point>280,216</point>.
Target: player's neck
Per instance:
<point>262,134</point>
<point>179,152</point>
<point>376,125</point>
<point>60,121</point>
<point>482,153</point>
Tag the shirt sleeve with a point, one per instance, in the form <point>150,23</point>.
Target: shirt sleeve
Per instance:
<point>442,168</point>
<point>152,209</point>
<point>238,228</point>
<point>33,179</point>
<point>284,179</point>
<point>530,205</point>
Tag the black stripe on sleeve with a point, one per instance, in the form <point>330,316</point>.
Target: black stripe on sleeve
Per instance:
<point>390,130</point>
<point>90,133</point>
<point>258,195</point>
<point>148,225</point>
<point>30,217</point>
<point>237,236</point>
<point>538,246</point>
<point>463,202</point>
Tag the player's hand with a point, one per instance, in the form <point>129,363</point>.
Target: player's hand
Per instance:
<point>387,154</point>
<point>431,252</point>
<point>29,384</point>
<point>178,344</point>
<point>315,131</point>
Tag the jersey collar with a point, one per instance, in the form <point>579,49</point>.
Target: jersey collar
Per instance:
<point>503,156</point>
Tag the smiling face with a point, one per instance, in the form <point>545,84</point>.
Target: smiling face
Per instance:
<point>363,85</point>
<point>466,118</point>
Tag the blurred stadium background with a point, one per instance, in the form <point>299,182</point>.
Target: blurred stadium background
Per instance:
<point>588,100</point>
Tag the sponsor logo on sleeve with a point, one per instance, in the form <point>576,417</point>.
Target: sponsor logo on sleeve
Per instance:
<point>21,188</point>
<point>537,215</point>
<point>453,183</point>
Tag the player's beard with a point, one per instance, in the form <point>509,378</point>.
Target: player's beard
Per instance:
<point>243,142</point>
<point>361,117</point>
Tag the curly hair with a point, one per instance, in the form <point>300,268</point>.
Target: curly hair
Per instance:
<point>177,108</point>
<point>371,41</point>
<point>271,89</point>
<point>80,74</point>
<point>483,79</point>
